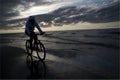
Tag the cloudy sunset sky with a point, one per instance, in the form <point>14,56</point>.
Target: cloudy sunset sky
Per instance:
<point>12,10</point>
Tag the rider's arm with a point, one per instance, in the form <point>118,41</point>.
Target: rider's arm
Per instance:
<point>38,27</point>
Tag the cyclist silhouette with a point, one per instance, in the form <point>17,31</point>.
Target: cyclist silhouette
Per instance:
<point>29,29</point>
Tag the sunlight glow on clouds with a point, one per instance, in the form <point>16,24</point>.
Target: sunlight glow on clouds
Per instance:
<point>41,9</point>
<point>34,8</point>
<point>17,11</point>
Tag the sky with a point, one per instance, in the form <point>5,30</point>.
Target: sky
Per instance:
<point>17,9</point>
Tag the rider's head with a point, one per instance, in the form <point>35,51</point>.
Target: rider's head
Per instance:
<point>31,19</point>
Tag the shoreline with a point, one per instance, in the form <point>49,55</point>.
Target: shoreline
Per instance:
<point>22,31</point>
<point>78,26</point>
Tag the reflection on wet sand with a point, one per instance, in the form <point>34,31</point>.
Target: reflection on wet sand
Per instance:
<point>75,54</point>
<point>37,68</point>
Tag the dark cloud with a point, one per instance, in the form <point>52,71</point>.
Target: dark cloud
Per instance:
<point>9,7</point>
<point>12,8</point>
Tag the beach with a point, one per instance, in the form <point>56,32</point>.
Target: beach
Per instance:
<point>70,54</point>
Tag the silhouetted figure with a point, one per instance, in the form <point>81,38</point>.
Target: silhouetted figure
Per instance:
<point>29,29</point>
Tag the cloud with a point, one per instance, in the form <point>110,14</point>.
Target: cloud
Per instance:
<point>37,7</point>
<point>18,9</point>
<point>11,8</point>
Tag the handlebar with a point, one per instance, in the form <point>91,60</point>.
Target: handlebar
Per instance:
<point>40,33</point>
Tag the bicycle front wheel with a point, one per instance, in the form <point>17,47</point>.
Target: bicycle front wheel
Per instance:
<point>41,51</point>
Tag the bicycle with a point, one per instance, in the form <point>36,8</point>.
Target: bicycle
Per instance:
<point>38,47</point>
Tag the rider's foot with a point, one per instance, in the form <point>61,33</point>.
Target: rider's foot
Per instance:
<point>42,33</point>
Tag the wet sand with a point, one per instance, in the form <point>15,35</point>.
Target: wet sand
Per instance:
<point>74,54</point>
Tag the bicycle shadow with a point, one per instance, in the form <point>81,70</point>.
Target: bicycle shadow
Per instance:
<point>37,68</point>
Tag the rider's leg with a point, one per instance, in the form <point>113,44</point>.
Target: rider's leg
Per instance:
<point>31,40</point>
<point>35,38</point>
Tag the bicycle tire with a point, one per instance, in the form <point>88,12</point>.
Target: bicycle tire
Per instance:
<point>41,51</point>
<point>28,50</point>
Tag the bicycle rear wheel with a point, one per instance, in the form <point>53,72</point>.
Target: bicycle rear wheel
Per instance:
<point>41,51</point>
<point>28,50</point>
